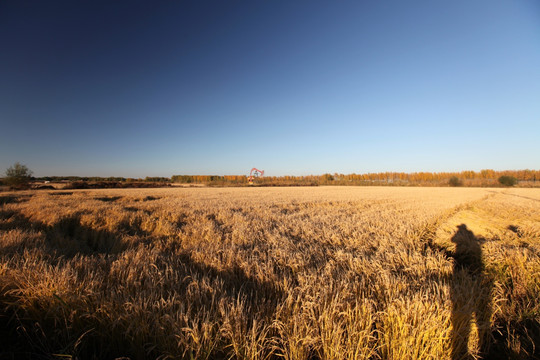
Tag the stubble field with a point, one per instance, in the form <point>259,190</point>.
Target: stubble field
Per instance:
<point>264,273</point>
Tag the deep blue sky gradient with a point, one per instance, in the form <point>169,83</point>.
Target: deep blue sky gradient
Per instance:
<point>132,88</point>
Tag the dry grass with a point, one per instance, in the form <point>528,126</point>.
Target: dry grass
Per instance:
<point>264,273</point>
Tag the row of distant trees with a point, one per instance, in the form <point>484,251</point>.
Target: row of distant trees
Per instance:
<point>505,180</point>
<point>464,178</point>
<point>19,176</point>
<point>210,179</point>
<point>101,178</point>
<point>467,178</point>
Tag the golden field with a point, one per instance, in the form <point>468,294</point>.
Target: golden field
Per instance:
<point>267,273</point>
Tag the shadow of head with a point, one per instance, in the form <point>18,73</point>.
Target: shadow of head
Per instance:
<point>468,252</point>
<point>463,234</point>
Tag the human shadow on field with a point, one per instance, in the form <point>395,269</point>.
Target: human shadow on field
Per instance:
<point>470,294</point>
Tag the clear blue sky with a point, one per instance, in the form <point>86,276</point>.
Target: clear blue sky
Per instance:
<point>157,88</point>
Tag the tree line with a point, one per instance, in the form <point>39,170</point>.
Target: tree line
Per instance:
<point>101,178</point>
<point>485,177</point>
<point>19,176</point>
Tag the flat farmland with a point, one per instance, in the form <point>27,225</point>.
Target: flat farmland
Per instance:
<point>267,273</point>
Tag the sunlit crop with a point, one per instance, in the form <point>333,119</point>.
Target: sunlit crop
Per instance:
<point>265,273</point>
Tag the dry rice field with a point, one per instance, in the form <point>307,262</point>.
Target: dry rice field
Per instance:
<point>268,273</point>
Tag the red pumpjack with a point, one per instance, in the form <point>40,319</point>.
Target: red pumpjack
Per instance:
<point>255,173</point>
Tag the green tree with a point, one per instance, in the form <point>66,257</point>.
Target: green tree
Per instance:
<point>454,181</point>
<point>508,180</point>
<point>18,176</point>
<point>326,178</point>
